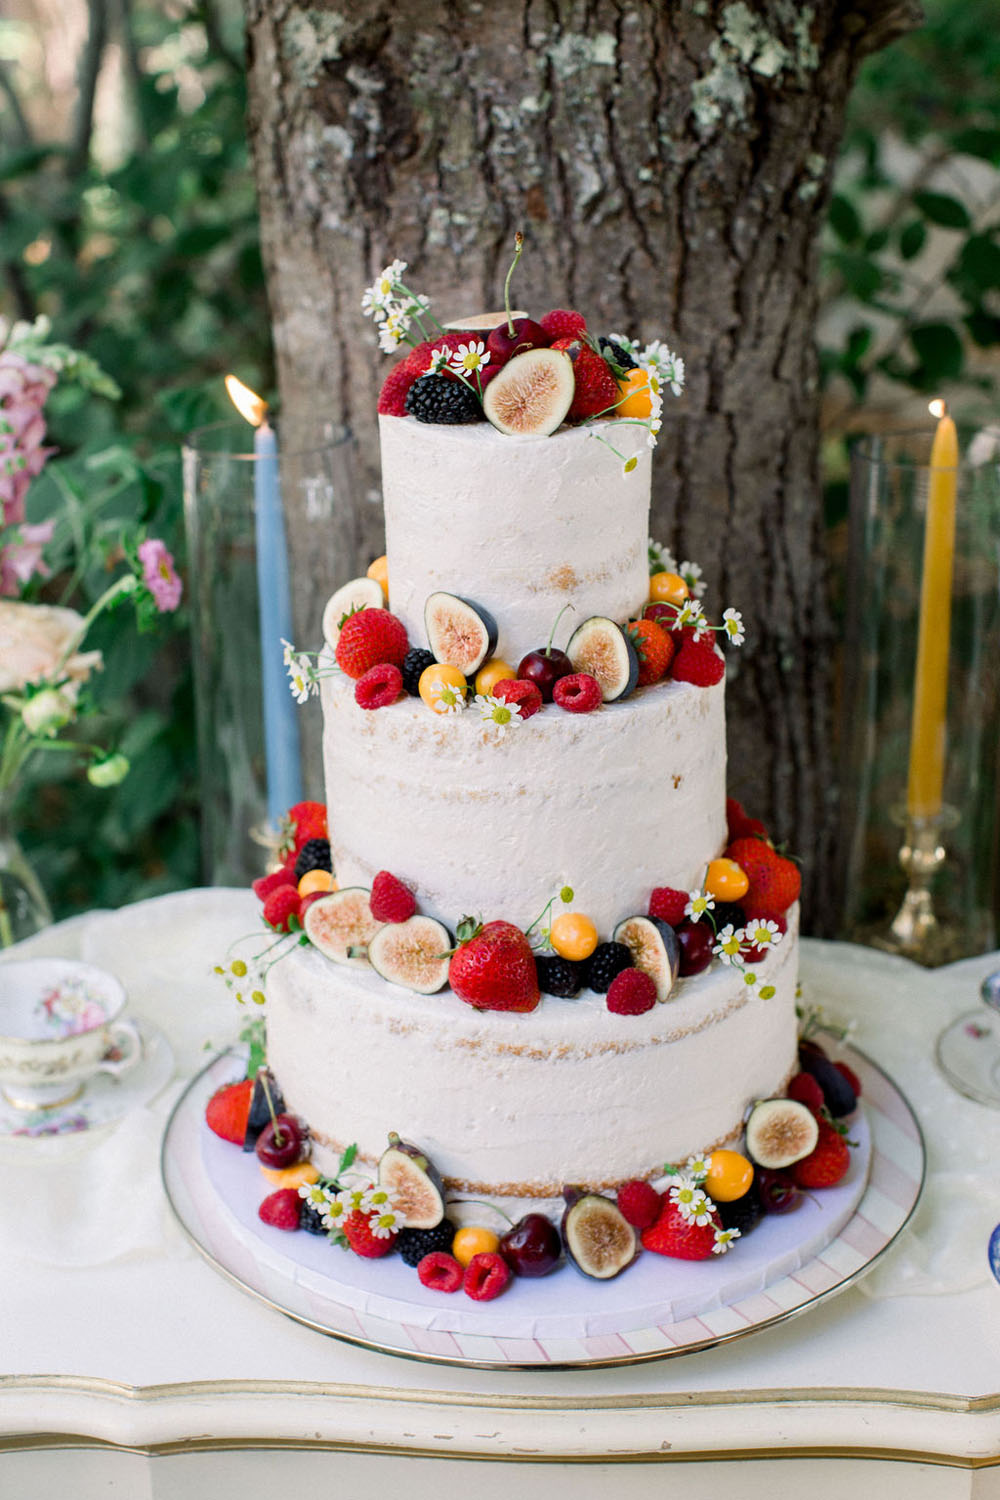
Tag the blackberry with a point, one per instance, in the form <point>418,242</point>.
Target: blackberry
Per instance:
<point>558,976</point>
<point>742,1213</point>
<point>414,662</point>
<point>725,912</point>
<point>414,1244</point>
<point>621,356</point>
<point>435,398</point>
<point>607,960</point>
<point>314,855</point>
<point>311,1218</point>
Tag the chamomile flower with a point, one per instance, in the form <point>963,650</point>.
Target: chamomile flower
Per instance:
<point>691,574</point>
<point>698,1167</point>
<point>439,358</point>
<point>377,1198</point>
<point>669,366</point>
<point>728,945</point>
<point>698,903</point>
<point>732,624</point>
<point>384,1225</point>
<point>762,933</point>
<point>379,297</point>
<point>497,712</point>
<point>630,464</point>
<point>352,1199</point>
<point>393,330</point>
<point>468,358</point>
<point>661,559</point>
<point>652,428</point>
<point>689,1198</point>
<point>303,678</point>
<point>448,699</point>
<point>724,1240</point>
<point>702,1213</point>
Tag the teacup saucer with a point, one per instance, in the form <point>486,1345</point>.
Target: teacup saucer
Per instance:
<point>104,1098</point>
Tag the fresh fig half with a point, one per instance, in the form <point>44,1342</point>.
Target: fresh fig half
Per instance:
<point>260,1110</point>
<point>780,1132</point>
<point>532,393</point>
<point>654,948</point>
<point>599,1239</point>
<point>410,953</point>
<point>360,593</point>
<point>341,925</point>
<point>602,648</point>
<point>414,1180</point>
<point>460,634</point>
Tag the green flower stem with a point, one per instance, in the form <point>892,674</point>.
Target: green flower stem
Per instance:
<point>124,585</point>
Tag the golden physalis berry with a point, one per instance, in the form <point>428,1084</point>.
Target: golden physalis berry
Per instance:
<point>726,880</point>
<point>573,936</point>
<point>379,570</point>
<point>729,1176</point>
<point>443,688</point>
<point>291,1177</point>
<point>495,670</point>
<point>637,399</point>
<point>473,1240</point>
<point>316,880</point>
<point>668,588</point>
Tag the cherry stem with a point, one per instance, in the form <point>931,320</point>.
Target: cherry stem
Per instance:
<point>518,247</point>
<point>479,1203</point>
<point>555,627</point>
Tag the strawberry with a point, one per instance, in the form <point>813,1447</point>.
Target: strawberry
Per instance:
<point>263,887</point>
<point>494,968</point>
<point>826,1163</point>
<point>563,323</point>
<point>518,690</point>
<point>775,882</point>
<point>281,1209</point>
<point>358,1233</point>
<point>305,821</point>
<point>700,663</point>
<point>668,904</point>
<point>675,1235</point>
<point>281,906</point>
<point>804,1089</point>
<point>640,1204</point>
<point>740,826</point>
<point>391,900</point>
<point>368,638</point>
<point>653,647</point>
<point>228,1109</point>
<point>596,387</point>
<point>392,396</point>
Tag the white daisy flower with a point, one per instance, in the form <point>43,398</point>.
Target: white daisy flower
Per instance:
<point>762,933</point>
<point>387,1223</point>
<point>698,903</point>
<point>702,1213</point>
<point>468,358</point>
<point>669,366</point>
<point>724,1240</point>
<point>728,944</point>
<point>288,652</point>
<point>378,298</point>
<point>498,712</point>
<point>352,1199</point>
<point>448,699</point>
<point>300,680</point>
<point>393,330</point>
<point>661,559</point>
<point>698,1166</point>
<point>691,574</point>
<point>687,1196</point>
<point>439,358</point>
<point>732,624</point>
<point>377,1198</point>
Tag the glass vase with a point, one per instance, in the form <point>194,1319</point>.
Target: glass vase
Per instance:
<point>24,909</point>
<point>884,853</point>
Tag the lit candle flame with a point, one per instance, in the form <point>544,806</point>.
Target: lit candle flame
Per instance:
<point>937,408</point>
<point>251,407</point>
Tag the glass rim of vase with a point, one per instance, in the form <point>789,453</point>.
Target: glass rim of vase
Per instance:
<point>867,444</point>
<point>199,441</point>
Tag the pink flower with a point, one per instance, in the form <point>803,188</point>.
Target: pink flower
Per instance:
<point>22,558</point>
<point>24,389</point>
<point>159,575</point>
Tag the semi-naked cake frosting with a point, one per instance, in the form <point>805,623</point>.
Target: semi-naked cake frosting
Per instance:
<point>612,803</point>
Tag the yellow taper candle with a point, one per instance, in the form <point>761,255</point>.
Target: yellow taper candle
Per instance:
<point>930,685</point>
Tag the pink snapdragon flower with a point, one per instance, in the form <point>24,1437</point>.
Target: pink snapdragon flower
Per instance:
<point>159,575</point>
<point>21,558</point>
<point>24,389</point>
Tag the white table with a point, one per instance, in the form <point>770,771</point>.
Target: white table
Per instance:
<point>153,1376</point>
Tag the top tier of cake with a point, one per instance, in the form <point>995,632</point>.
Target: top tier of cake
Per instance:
<point>521,526</point>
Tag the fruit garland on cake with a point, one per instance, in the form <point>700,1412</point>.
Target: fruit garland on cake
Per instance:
<point>792,1145</point>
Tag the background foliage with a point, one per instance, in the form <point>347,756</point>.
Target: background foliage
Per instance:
<point>133,226</point>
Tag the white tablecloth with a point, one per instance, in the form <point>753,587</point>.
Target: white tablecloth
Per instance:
<point>113,1327</point>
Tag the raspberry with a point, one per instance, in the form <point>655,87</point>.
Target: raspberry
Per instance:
<point>391,900</point>
<point>414,663</point>
<point>653,647</point>
<point>631,993</point>
<point>563,323</point>
<point>281,1209</point>
<point>415,1244</point>
<point>668,904</point>
<point>314,855</point>
<point>700,663</point>
<point>227,1111</point>
<point>639,1203</point>
<point>263,887</point>
<point>852,1078</point>
<point>280,906</point>
<point>596,387</point>
<point>440,1272</point>
<point>358,1233</point>
<point>578,693</point>
<point>558,976</point>
<point>368,638</point>
<point>607,960</point>
<point>392,396</point>
<point>804,1089</point>
<point>436,398</point>
<point>517,690</point>
<point>379,686</point>
<point>486,1275</point>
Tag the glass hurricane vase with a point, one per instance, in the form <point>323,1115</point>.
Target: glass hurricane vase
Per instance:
<point>23,907</point>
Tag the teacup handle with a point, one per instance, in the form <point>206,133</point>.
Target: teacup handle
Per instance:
<point>126,1038</point>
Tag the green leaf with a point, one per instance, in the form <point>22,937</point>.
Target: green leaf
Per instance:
<point>844,220</point>
<point>912,238</point>
<point>979,262</point>
<point>862,277</point>
<point>347,1159</point>
<point>978,142</point>
<point>939,350</point>
<point>984,329</point>
<point>942,209</point>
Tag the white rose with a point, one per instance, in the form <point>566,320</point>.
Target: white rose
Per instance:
<point>33,639</point>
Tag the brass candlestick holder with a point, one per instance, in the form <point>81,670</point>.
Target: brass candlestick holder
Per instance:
<point>915,930</point>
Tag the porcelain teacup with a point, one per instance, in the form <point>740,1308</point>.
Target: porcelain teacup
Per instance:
<point>59,1026</point>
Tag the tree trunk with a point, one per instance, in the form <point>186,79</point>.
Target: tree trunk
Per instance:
<point>671,167</point>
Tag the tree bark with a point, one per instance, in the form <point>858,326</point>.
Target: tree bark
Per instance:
<point>671,167</point>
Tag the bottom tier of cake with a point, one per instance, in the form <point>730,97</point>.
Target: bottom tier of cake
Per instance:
<point>519,1105</point>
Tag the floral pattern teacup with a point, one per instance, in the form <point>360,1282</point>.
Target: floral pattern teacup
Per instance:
<point>59,1025</point>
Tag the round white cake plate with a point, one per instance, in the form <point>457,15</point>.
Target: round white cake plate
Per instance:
<point>105,1098</point>
<point>658,1308</point>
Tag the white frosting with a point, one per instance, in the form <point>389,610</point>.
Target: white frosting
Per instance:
<point>522,526</point>
<point>515,1103</point>
<point>611,803</point>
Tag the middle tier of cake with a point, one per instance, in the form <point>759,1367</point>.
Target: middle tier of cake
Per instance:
<point>611,804</point>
